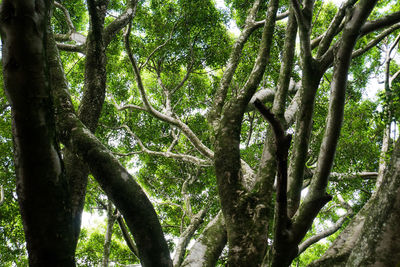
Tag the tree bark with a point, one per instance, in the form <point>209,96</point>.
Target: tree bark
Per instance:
<point>116,182</point>
<point>208,247</point>
<point>245,213</point>
<point>111,217</point>
<point>42,185</point>
<point>372,238</point>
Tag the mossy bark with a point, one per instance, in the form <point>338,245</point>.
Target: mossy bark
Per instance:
<point>42,186</point>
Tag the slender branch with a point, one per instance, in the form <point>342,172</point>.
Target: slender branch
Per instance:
<point>1,194</point>
<point>380,23</point>
<point>107,239</point>
<point>394,77</point>
<point>127,237</point>
<point>279,16</point>
<point>196,142</point>
<point>130,106</point>
<point>331,230</point>
<point>159,47</point>
<point>253,81</point>
<point>185,78</point>
<point>344,176</point>
<point>376,40</point>
<point>175,141</point>
<point>167,154</point>
<point>67,16</point>
<point>334,27</point>
<point>231,66</point>
<point>286,69</point>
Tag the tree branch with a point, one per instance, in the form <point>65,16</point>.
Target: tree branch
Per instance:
<point>1,194</point>
<point>376,40</point>
<point>120,22</point>
<point>196,142</point>
<point>331,230</point>
<point>282,221</point>
<point>185,237</point>
<point>167,154</point>
<point>380,23</point>
<point>334,27</point>
<point>66,15</point>
<point>127,237</point>
<point>80,48</point>
<point>344,176</point>
<point>158,47</point>
<point>231,65</point>
<point>317,196</point>
<point>208,247</point>
<point>116,182</point>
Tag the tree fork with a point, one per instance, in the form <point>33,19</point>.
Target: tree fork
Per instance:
<point>283,251</point>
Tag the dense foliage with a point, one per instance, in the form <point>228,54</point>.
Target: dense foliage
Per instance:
<point>181,48</point>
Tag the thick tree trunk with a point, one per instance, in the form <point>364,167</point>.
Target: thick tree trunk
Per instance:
<point>372,238</point>
<point>246,213</point>
<point>116,182</point>
<point>42,186</point>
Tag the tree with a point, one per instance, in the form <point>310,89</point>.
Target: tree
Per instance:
<point>183,97</point>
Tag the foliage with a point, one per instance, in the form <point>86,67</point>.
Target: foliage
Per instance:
<point>181,48</point>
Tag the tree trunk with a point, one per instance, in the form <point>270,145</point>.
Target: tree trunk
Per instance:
<point>116,182</point>
<point>111,217</point>
<point>372,238</point>
<point>42,186</point>
<point>90,106</point>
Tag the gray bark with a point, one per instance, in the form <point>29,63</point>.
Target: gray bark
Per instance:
<point>208,247</point>
<point>116,182</point>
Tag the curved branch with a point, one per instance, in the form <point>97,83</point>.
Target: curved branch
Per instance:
<point>380,23</point>
<point>376,40</point>
<point>314,239</point>
<point>120,22</point>
<point>331,230</point>
<point>158,47</point>
<point>67,16</point>
<point>196,142</point>
<point>167,154</point>
<point>279,16</point>
<point>116,182</point>
<point>334,27</point>
<point>127,237</point>
<point>394,77</point>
